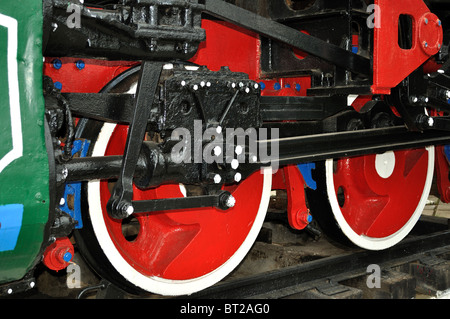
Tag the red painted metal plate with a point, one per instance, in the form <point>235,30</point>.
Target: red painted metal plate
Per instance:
<point>392,64</point>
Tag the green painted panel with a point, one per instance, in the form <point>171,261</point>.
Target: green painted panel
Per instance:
<point>24,175</point>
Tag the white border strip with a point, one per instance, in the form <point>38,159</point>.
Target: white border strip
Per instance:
<point>14,96</point>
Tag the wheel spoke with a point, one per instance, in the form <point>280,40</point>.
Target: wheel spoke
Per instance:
<point>405,194</point>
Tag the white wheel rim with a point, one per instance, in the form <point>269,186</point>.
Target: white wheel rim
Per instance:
<point>155,284</point>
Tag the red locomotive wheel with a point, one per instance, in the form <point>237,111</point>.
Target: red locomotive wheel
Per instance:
<point>376,200</point>
<point>176,252</point>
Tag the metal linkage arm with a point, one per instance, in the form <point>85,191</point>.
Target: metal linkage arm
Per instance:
<point>223,200</point>
<point>120,205</point>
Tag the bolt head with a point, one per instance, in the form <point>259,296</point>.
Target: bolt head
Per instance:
<point>237,177</point>
<point>217,150</point>
<point>238,150</point>
<point>231,201</point>
<point>234,164</point>
<point>217,178</point>
<point>129,210</point>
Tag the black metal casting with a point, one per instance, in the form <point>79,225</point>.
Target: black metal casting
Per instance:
<point>120,202</point>
<point>149,29</point>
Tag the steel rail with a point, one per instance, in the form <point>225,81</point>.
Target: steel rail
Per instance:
<point>291,280</point>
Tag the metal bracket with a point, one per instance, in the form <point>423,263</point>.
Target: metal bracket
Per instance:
<point>280,32</point>
<point>391,63</point>
<point>73,190</point>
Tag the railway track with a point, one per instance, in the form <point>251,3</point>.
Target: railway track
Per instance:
<point>418,266</point>
<point>286,264</point>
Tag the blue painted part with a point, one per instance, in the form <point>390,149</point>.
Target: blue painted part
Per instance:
<point>287,86</point>
<point>80,64</point>
<point>10,225</point>
<point>67,257</point>
<point>57,64</point>
<point>74,189</point>
<point>262,85</point>
<point>277,86</point>
<point>355,49</point>
<point>58,85</point>
<point>447,152</point>
<point>305,170</point>
<point>298,87</point>
<point>310,218</point>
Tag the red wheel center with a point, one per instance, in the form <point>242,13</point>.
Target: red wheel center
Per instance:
<point>181,244</point>
<point>378,196</point>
